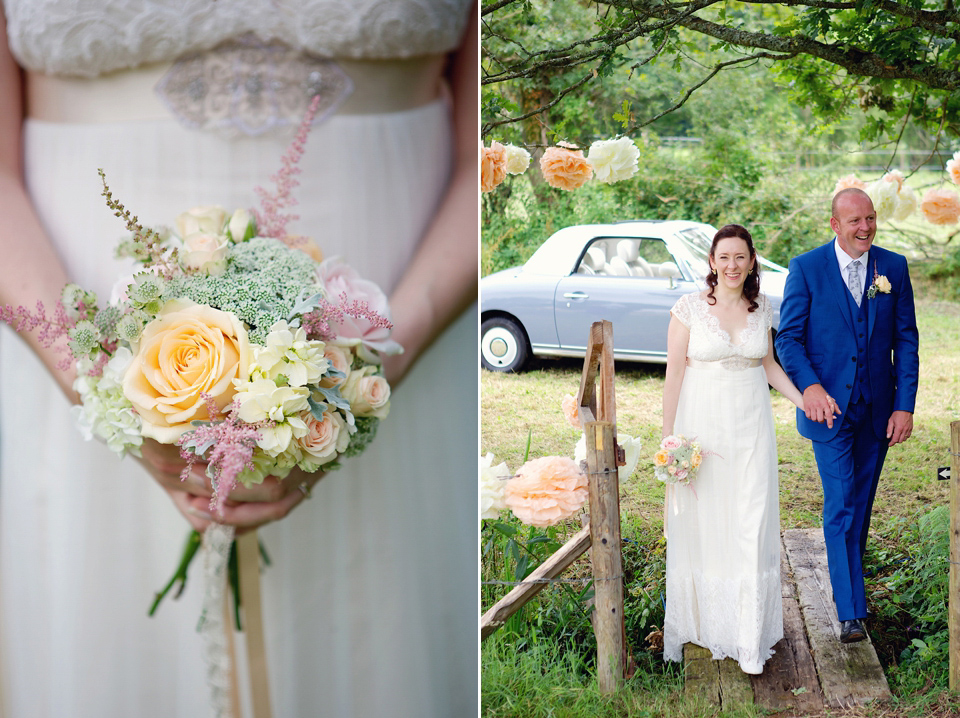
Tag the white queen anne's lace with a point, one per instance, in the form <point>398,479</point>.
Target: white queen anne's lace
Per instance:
<point>80,38</point>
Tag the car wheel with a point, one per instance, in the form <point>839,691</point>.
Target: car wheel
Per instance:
<point>503,345</point>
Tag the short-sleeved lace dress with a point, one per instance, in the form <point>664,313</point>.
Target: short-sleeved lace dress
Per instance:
<point>723,536</point>
<point>370,601</point>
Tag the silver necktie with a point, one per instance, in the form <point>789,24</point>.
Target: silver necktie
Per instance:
<point>856,287</point>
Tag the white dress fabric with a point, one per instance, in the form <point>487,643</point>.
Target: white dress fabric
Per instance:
<point>370,603</point>
<point>723,534</point>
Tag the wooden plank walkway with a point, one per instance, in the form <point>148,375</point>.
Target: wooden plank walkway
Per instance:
<point>810,668</point>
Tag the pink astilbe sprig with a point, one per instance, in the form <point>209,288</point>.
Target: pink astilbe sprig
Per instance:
<point>232,443</point>
<point>271,221</point>
<point>49,329</point>
<point>317,323</point>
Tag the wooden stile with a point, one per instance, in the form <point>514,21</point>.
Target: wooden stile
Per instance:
<point>953,616</point>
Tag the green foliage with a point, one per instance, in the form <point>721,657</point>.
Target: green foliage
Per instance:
<point>913,598</point>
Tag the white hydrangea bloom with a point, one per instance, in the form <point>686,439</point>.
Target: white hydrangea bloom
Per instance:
<point>492,483</point>
<point>518,160</point>
<point>614,160</point>
<point>884,196</point>
<point>104,411</point>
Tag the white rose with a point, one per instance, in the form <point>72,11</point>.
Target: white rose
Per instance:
<point>325,438</point>
<point>208,220</point>
<point>883,284</point>
<point>204,252</point>
<point>241,227</point>
<point>518,159</point>
<point>614,160</point>
<point>368,393</point>
<point>339,359</point>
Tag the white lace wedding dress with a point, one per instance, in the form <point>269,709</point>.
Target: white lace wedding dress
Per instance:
<point>370,602</point>
<point>723,535</point>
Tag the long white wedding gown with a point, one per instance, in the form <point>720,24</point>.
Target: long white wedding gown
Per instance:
<point>370,603</point>
<point>723,535</point>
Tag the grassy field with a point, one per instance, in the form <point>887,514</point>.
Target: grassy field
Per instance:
<point>542,680</point>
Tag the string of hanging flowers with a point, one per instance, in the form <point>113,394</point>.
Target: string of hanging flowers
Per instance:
<point>564,165</point>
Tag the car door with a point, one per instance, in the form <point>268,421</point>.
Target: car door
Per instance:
<point>633,290</point>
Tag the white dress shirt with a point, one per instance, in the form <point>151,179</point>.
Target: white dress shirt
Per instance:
<point>844,259</point>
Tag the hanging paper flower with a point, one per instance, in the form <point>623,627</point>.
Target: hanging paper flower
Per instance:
<point>953,168</point>
<point>940,206</point>
<point>848,182</point>
<point>906,204</point>
<point>493,481</point>
<point>614,160</point>
<point>493,166</point>
<point>518,159</point>
<point>565,167</point>
<point>884,196</point>
<point>895,177</point>
<point>547,490</point>
<point>571,411</point>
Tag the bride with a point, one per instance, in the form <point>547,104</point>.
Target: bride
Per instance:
<point>723,532</point>
<point>368,606</point>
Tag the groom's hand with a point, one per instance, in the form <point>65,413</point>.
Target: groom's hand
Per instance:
<point>899,427</point>
<point>819,406</point>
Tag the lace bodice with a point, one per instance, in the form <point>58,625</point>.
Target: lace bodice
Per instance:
<point>709,342</point>
<point>91,37</point>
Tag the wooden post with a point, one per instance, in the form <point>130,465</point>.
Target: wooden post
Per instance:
<point>605,554</point>
<point>953,619</point>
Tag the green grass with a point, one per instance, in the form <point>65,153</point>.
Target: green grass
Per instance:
<point>540,677</point>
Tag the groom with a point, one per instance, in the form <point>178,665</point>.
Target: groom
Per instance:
<point>848,339</point>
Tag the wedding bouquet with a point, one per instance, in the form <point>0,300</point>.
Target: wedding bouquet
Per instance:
<point>235,341</point>
<point>677,460</point>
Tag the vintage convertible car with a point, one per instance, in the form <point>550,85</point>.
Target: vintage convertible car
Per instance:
<point>630,273</point>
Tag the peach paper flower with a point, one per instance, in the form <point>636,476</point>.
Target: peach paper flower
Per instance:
<point>895,176</point>
<point>571,411</point>
<point>565,168</point>
<point>493,166</point>
<point>940,206</point>
<point>545,491</point>
<point>953,168</point>
<point>848,182</point>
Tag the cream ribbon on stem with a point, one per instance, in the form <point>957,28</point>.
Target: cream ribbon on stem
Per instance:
<point>216,629</point>
<point>248,566</point>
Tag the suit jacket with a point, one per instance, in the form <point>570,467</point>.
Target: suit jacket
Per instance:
<point>816,342</point>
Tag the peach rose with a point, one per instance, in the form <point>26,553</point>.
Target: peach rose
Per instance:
<point>368,393</point>
<point>940,206</point>
<point>564,168</point>
<point>848,182</point>
<point>187,350</point>
<point>325,438</point>
<point>339,359</point>
<point>493,166</point>
<point>953,168</point>
<point>203,252</point>
<point>546,491</point>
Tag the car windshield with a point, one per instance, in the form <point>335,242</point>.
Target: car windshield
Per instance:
<point>696,248</point>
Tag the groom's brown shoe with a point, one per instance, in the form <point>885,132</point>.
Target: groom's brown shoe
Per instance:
<point>852,631</point>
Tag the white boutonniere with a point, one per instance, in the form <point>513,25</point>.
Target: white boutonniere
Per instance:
<point>880,284</point>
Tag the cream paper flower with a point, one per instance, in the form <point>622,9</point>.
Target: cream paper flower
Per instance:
<point>493,481</point>
<point>614,160</point>
<point>884,196</point>
<point>906,204</point>
<point>518,160</point>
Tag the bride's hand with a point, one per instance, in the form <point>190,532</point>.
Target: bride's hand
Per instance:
<point>246,508</point>
<point>250,508</point>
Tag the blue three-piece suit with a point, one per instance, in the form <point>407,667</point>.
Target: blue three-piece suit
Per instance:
<point>867,359</point>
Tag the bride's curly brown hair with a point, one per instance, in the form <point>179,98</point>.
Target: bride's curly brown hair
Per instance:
<point>751,285</point>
